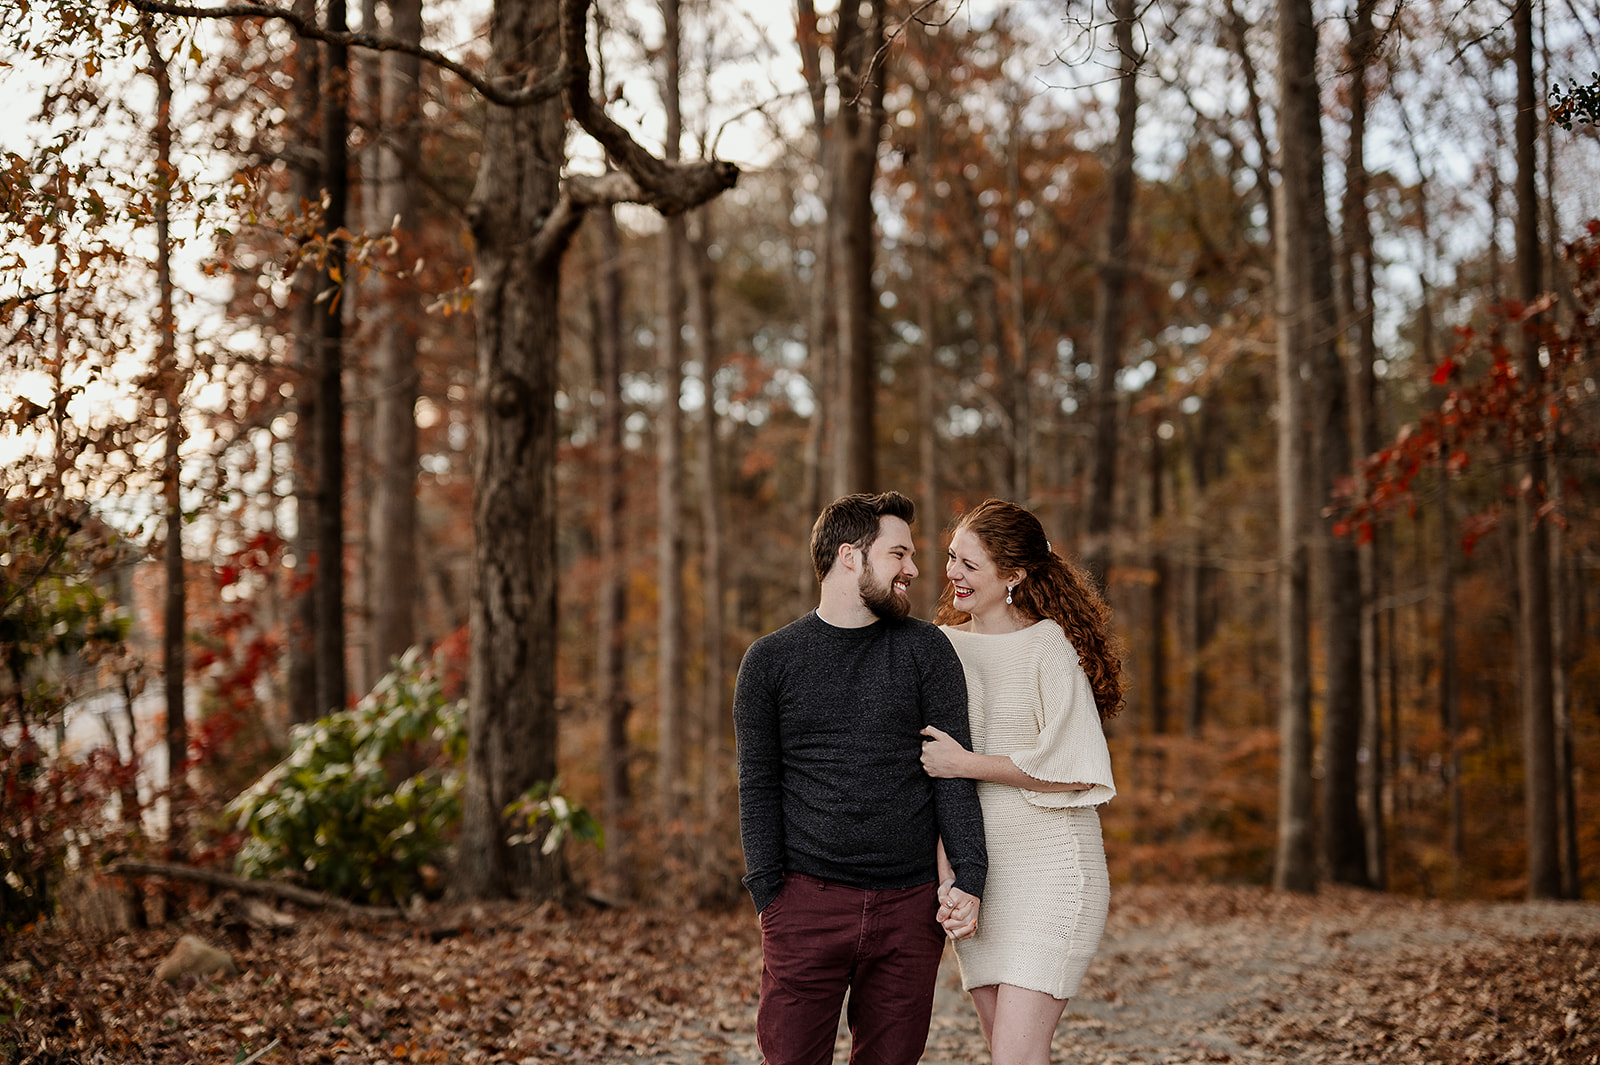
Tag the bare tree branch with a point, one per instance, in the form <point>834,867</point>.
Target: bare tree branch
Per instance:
<point>670,188</point>
<point>501,91</point>
<point>303,896</point>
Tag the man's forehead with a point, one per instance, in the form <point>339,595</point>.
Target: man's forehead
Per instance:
<point>893,532</point>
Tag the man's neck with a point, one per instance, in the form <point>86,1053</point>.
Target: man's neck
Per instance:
<point>843,609</point>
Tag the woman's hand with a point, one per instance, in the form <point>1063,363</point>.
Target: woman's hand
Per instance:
<point>941,755</point>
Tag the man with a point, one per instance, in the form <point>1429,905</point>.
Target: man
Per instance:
<point>839,822</point>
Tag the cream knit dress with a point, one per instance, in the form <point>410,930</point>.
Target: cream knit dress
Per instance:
<point>1044,905</point>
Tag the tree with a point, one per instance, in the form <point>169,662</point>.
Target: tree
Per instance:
<point>393,519</point>
<point>672,748</point>
<point>170,381</point>
<point>1303,311</point>
<point>1533,550</point>
<point>1343,836</point>
<point>857,129</point>
<point>1111,292</point>
<point>523,215</point>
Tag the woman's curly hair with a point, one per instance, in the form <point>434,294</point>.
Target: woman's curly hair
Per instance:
<point>1054,588</point>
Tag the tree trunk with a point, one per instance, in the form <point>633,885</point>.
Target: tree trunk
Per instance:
<point>511,680</point>
<point>173,643</point>
<point>1299,206</point>
<point>1344,834</point>
<point>1159,586</point>
<point>329,432</point>
<point>1110,325</point>
<point>821,319</point>
<point>1357,313</point>
<point>1237,29</point>
<point>713,713</point>
<point>394,580</point>
<point>671,764</point>
<point>1450,678</point>
<point>1199,581</point>
<point>927,378</point>
<point>612,595</point>
<point>1564,581</point>
<point>1018,409</point>
<point>1533,552</point>
<point>305,181</point>
<point>858,126</point>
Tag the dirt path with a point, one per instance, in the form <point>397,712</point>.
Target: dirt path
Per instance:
<point>1241,975</point>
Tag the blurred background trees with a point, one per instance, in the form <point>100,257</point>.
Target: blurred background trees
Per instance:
<point>1281,316</point>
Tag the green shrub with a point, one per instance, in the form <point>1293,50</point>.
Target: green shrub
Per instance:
<point>365,802</point>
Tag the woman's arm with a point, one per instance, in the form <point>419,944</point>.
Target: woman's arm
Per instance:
<point>942,756</point>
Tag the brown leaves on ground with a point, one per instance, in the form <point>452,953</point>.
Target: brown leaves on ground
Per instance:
<point>1203,974</point>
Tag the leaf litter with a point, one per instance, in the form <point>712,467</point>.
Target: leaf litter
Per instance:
<point>1184,975</point>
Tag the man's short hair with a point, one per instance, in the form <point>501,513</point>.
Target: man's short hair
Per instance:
<point>854,519</point>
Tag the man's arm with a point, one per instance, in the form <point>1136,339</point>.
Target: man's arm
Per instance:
<point>755,726</point>
<point>944,705</point>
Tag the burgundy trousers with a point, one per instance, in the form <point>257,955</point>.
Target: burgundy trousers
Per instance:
<point>819,939</point>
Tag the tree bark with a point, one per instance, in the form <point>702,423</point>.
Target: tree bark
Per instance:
<point>672,762</point>
<point>1533,552</point>
<point>714,718</point>
<point>329,431</point>
<point>511,726</point>
<point>1110,325</point>
<point>394,580</point>
<point>858,125</point>
<point>1300,204</point>
<point>1199,580</point>
<point>612,595</point>
<point>1159,584</point>
<point>821,318</point>
<point>1339,396</point>
<point>173,643</point>
<point>305,179</point>
<point>1450,678</point>
<point>1018,407</point>
<point>1357,314</point>
<point>927,383</point>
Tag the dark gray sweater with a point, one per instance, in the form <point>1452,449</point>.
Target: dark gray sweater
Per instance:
<point>830,775</point>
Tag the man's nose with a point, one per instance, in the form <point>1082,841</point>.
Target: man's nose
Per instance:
<point>910,567</point>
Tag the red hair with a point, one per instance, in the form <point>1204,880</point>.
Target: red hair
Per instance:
<point>1053,588</point>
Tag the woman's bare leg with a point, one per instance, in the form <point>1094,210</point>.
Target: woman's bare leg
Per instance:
<point>983,998</point>
<point>1020,1025</point>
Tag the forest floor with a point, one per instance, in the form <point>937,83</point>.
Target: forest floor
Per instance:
<point>1204,974</point>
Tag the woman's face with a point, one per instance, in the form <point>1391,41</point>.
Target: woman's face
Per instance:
<point>979,588</point>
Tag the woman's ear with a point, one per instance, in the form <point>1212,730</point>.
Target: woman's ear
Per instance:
<point>1017,577</point>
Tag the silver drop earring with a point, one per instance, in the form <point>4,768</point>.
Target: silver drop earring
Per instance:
<point>1008,595</point>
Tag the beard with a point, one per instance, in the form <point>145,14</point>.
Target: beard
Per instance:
<point>881,598</point>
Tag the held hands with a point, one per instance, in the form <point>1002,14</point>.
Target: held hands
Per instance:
<point>941,755</point>
<point>958,911</point>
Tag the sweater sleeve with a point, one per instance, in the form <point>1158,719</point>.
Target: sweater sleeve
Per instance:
<point>1072,746</point>
<point>960,817</point>
<point>755,725</point>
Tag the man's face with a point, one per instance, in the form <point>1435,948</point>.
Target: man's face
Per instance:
<point>888,570</point>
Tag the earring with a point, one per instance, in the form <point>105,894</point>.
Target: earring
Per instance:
<point>1008,594</point>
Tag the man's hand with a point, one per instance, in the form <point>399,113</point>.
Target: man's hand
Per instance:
<point>958,911</point>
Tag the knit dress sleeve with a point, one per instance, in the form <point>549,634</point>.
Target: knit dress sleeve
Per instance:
<point>1071,746</point>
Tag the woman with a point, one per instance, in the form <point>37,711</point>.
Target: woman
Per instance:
<point>1035,640</point>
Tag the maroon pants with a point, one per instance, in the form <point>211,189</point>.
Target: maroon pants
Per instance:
<point>818,939</point>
